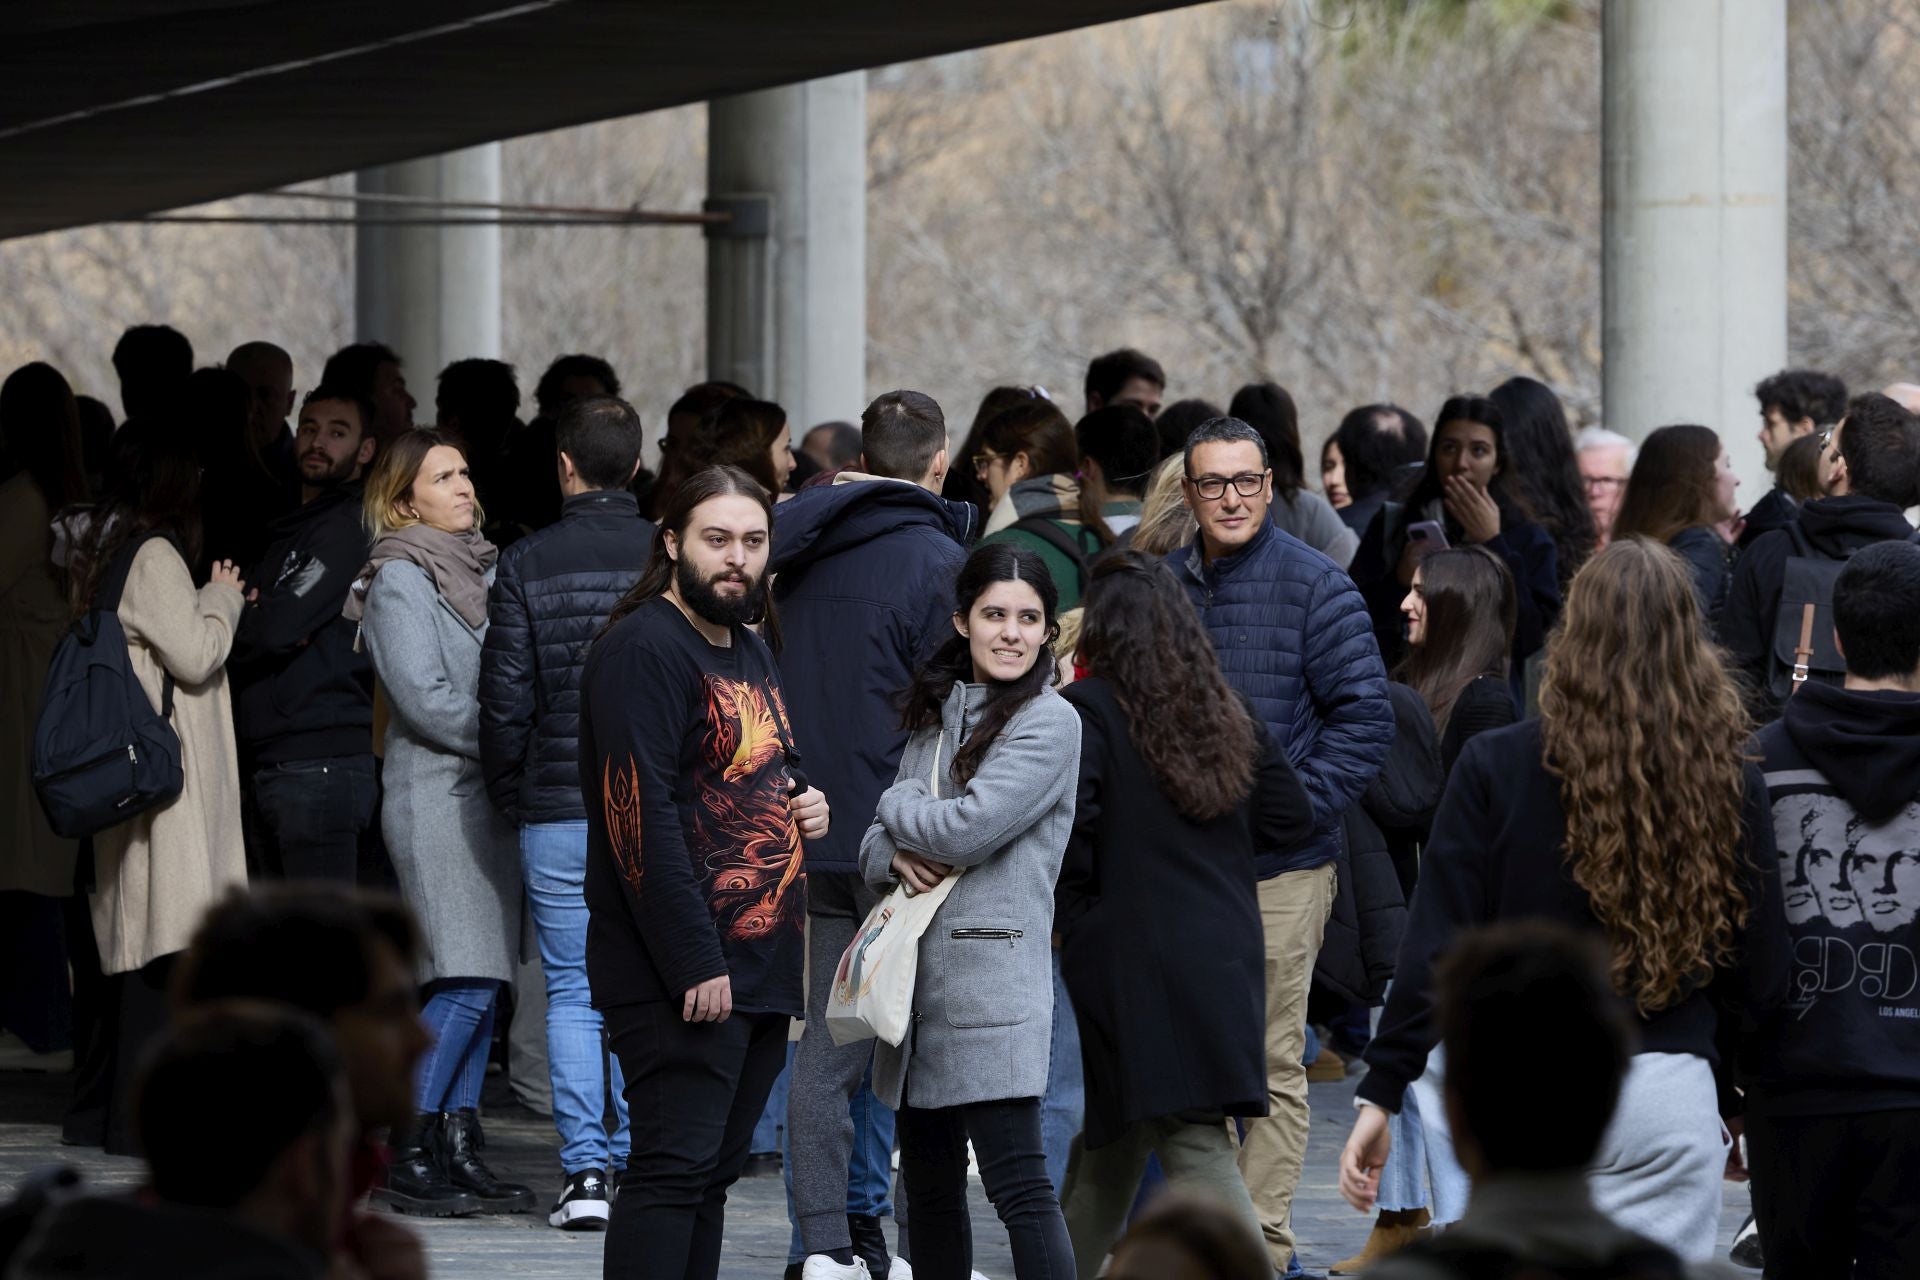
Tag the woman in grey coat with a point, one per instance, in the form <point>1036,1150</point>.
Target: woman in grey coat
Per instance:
<point>421,603</point>
<point>985,792</point>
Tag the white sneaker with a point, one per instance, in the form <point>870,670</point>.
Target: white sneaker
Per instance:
<point>901,1269</point>
<point>820,1267</point>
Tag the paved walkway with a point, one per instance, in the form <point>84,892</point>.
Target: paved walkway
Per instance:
<point>521,1146</point>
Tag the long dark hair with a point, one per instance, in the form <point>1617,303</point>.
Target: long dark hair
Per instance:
<point>40,432</point>
<point>953,662</point>
<point>1673,486</point>
<point>1268,408</point>
<point>1477,409</point>
<point>1141,635</point>
<point>1471,610</point>
<point>157,488</point>
<point>734,433</point>
<point>675,516</point>
<point>1543,472</point>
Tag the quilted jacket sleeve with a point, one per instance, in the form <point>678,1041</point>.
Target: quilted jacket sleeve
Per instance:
<point>506,689</point>
<point>1348,685</point>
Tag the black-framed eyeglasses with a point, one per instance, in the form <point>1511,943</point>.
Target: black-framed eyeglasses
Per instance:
<point>1246,484</point>
<point>983,459</point>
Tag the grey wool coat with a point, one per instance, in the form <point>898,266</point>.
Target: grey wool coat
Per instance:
<point>983,1004</point>
<point>458,860</point>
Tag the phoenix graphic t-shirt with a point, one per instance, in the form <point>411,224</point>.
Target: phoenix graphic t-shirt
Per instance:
<point>694,865</point>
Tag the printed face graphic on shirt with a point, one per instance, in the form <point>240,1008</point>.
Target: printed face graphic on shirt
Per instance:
<point>1892,900</point>
<point>1807,828</point>
<point>1841,895</point>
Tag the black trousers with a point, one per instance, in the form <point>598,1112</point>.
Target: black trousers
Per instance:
<point>313,816</point>
<point>1013,1168</point>
<point>694,1092</point>
<point>1834,1196</point>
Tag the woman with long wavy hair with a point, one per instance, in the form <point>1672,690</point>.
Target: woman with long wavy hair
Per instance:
<point>1630,810</point>
<point>1158,903</point>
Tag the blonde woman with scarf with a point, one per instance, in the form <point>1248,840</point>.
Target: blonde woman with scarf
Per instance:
<point>421,603</point>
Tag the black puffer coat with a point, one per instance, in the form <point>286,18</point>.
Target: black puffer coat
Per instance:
<point>552,592</point>
<point>1369,907</point>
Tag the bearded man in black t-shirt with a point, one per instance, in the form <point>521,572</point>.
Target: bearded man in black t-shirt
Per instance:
<point>696,885</point>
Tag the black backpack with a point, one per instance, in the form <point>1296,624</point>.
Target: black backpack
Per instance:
<point>101,754</point>
<point>1803,644</point>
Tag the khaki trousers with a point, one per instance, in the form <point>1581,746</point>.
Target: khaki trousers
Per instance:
<point>1294,907</point>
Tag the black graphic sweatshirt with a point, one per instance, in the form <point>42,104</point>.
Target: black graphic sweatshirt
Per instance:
<point>694,865</point>
<point>1843,769</point>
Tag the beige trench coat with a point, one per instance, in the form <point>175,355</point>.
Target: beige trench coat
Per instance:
<point>158,873</point>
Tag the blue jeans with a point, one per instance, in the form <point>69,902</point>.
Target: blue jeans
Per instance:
<point>459,1014</point>
<point>1064,1108</point>
<point>553,859</point>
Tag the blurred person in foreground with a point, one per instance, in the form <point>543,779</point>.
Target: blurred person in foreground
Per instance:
<point>264,1202</point>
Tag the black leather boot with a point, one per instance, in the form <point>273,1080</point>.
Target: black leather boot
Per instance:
<point>467,1171</point>
<point>869,1244</point>
<point>416,1181</point>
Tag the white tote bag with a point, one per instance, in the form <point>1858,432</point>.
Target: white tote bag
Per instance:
<point>872,991</point>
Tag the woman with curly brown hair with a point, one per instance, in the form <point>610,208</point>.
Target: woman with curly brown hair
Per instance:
<point>1158,905</point>
<point>1630,810</point>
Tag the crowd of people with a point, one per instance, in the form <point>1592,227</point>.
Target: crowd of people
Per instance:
<point>1522,765</point>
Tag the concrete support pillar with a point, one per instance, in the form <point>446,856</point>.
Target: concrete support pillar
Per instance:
<point>1694,260</point>
<point>430,293</point>
<point>787,280</point>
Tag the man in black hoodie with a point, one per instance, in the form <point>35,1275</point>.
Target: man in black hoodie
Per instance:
<point>1868,469</point>
<point>1833,1076</point>
<point>865,589</point>
<point>303,698</point>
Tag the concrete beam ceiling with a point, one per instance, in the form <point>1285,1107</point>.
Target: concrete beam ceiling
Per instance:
<point>117,108</point>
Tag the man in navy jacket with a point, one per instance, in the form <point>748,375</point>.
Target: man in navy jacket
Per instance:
<point>865,571</point>
<point>1295,638</point>
<point>551,595</point>
<point>302,695</point>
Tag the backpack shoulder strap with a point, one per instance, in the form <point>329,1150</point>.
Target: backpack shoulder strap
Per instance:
<point>1050,532</point>
<point>113,584</point>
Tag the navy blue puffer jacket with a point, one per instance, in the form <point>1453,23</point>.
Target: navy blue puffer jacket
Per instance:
<point>864,585</point>
<point>1294,637</point>
<point>551,593</point>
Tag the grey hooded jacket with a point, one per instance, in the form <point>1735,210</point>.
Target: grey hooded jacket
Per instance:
<point>983,1006</point>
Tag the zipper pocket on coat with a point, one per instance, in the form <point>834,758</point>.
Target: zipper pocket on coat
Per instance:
<point>987,935</point>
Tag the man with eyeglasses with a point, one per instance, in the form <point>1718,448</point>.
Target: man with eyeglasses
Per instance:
<point>1295,638</point>
<point>1606,460</point>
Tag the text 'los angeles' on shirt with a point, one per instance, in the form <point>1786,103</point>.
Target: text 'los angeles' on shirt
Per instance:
<point>694,864</point>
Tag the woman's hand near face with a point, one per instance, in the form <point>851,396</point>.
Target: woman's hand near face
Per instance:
<point>1473,508</point>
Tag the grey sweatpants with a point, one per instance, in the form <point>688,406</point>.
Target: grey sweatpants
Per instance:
<point>825,1075</point>
<point>1660,1163</point>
